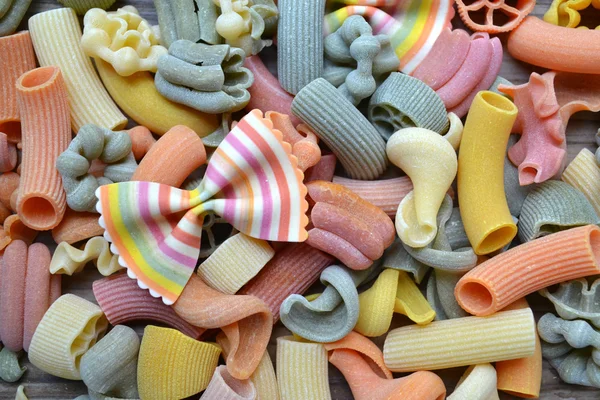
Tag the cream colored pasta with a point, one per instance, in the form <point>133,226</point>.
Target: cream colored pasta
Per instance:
<point>584,175</point>
<point>477,383</point>
<point>462,341</point>
<point>302,370</point>
<point>235,262</point>
<point>430,162</point>
<point>55,35</point>
<point>265,380</point>
<point>69,260</point>
<point>69,328</point>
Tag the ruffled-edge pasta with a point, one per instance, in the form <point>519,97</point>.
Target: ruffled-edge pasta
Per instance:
<point>69,260</point>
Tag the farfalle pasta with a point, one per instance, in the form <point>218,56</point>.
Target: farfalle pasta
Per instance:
<point>431,163</point>
<point>121,38</point>
<point>69,328</point>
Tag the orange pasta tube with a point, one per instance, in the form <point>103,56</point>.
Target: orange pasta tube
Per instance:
<point>173,158</point>
<point>17,58</point>
<point>509,276</point>
<point>77,226</point>
<point>46,130</point>
<point>521,377</point>
<point>555,47</point>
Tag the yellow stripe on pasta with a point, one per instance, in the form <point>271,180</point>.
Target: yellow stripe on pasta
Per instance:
<point>235,262</point>
<point>584,175</point>
<point>302,370</point>
<point>68,329</point>
<point>55,35</point>
<point>462,341</point>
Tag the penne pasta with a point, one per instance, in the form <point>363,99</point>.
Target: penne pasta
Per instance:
<point>302,370</point>
<point>462,341</point>
<point>17,58</point>
<point>488,224</point>
<point>46,132</point>
<point>56,35</point>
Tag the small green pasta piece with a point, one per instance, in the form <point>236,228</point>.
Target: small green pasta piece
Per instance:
<point>82,6</point>
<point>10,370</point>
<point>12,12</point>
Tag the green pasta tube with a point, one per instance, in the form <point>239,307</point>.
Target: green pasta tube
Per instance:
<point>404,102</point>
<point>459,342</point>
<point>10,370</point>
<point>12,13</point>
<point>350,136</point>
<point>554,206</point>
<point>300,43</point>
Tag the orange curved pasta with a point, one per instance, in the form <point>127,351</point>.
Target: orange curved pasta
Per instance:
<point>77,226</point>
<point>16,230</point>
<point>246,323</point>
<point>176,154</point>
<point>46,132</point>
<point>522,270</point>
<point>521,377</point>
<point>9,183</point>
<point>141,141</point>
<point>365,348</point>
<point>571,50</point>
<point>17,58</point>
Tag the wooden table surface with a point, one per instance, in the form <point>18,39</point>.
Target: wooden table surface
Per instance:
<point>580,134</point>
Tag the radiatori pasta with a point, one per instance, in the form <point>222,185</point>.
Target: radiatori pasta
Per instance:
<point>56,35</point>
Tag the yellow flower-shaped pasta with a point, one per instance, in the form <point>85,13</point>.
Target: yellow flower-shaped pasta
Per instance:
<point>69,328</point>
<point>123,39</point>
<point>430,162</point>
<point>566,12</point>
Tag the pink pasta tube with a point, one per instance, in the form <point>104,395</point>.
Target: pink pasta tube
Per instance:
<point>123,301</point>
<point>509,276</point>
<point>17,58</point>
<point>323,170</point>
<point>301,137</point>
<point>46,132</point>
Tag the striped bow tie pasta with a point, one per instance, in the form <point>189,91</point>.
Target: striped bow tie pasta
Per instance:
<point>252,181</point>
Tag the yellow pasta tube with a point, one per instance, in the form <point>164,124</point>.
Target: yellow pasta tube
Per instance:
<point>462,341</point>
<point>56,35</point>
<point>69,260</point>
<point>68,329</point>
<point>172,365</point>
<point>302,371</point>
<point>477,383</point>
<point>411,302</point>
<point>235,262</point>
<point>430,162</point>
<point>138,97</point>
<point>377,305</point>
<point>483,207</point>
<point>584,175</point>
<point>265,380</point>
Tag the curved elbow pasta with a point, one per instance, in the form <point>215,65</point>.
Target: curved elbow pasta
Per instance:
<point>17,58</point>
<point>236,261</point>
<point>529,43</point>
<point>583,173</point>
<point>302,371</point>
<point>12,16</point>
<point>46,133</point>
<point>462,341</point>
<point>69,328</point>
<point>488,222</point>
<point>172,365</point>
<point>225,387</point>
<point>138,97</point>
<point>477,383</point>
<point>430,162</point>
<point>69,260</point>
<point>123,301</point>
<point>56,35</point>
<point>507,277</point>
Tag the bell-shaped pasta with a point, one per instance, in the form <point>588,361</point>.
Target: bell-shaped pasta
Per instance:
<point>430,162</point>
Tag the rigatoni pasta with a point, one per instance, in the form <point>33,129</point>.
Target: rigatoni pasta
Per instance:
<point>46,131</point>
<point>56,35</point>
<point>462,341</point>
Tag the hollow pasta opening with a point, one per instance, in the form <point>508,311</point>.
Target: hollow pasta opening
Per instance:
<point>498,101</point>
<point>39,212</point>
<point>496,239</point>
<point>38,77</point>
<point>475,297</point>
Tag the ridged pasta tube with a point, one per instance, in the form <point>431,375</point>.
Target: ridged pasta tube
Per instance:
<point>430,162</point>
<point>56,35</point>
<point>583,173</point>
<point>462,341</point>
<point>46,131</point>
<point>481,195</point>
<point>477,383</point>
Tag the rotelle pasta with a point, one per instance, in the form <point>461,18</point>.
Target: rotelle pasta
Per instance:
<point>46,132</point>
<point>56,35</point>
<point>531,266</point>
<point>488,223</point>
<point>457,342</point>
<point>18,58</point>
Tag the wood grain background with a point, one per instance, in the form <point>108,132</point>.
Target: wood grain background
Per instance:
<point>580,134</point>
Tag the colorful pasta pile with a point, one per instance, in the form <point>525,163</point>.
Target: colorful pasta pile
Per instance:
<point>251,229</point>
